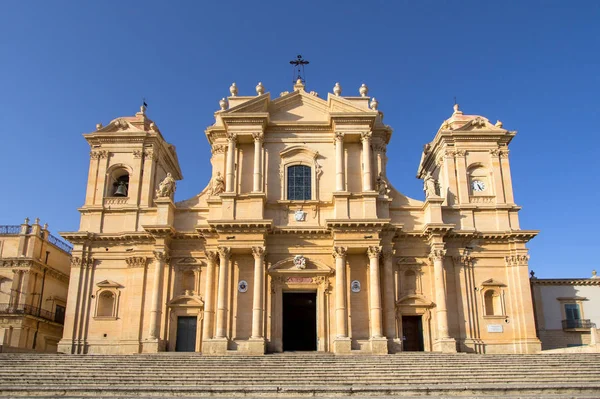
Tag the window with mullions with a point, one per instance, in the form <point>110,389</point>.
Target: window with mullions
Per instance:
<point>572,311</point>
<point>299,183</point>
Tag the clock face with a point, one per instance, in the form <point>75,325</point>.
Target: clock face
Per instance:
<point>478,185</point>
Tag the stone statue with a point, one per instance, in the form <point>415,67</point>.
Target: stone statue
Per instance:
<point>166,188</point>
<point>382,185</point>
<point>217,185</point>
<point>429,186</point>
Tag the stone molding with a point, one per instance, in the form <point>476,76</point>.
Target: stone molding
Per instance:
<point>136,261</point>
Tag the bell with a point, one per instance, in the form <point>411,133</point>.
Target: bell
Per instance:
<point>121,190</point>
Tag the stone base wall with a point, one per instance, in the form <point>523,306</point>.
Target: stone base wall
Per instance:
<point>555,339</point>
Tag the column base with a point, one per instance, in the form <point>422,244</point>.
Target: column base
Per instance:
<point>153,345</point>
<point>394,345</point>
<point>256,346</point>
<point>445,345</point>
<point>342,346</point>
<point>379,345</point>
<point>215,346</point>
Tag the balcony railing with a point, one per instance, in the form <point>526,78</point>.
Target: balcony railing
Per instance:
<point>6,230</point>
<point>577,323</point>
<point>60,243</point>
<point>23,309</point>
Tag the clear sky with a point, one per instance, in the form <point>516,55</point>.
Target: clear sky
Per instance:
<point>535,65</point>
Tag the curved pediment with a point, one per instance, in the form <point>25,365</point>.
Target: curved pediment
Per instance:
<point>298,149</point>
<point>293,264</point>
<point>187,301</point>
<point>415,300</point>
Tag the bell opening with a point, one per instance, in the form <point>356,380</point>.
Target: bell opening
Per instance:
<point>121,186</point>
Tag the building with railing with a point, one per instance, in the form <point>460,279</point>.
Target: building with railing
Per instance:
<point>567,311</point>
<point>34,279</point>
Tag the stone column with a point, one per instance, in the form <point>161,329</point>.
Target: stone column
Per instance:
<point>437,255</point>
<point>257,305</point>
<point>339,161</point>
<point>365,137</point>
<point>222,307</point>
<point>444,342</point>
<point>209,296</point>
<point>257,184</point>
<point>389,303</point>
<point>14,291</point>
<point>230,167</point>
<point>160,257</point>
<point>374,291</point>
<point>341,313</point>
<point>24,286</point>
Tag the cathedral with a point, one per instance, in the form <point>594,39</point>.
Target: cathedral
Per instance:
<point>299,242</point>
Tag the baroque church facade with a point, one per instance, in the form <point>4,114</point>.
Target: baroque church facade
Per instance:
<point>299,241</point>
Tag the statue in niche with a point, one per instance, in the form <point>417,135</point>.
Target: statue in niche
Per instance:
<point>217,185</point>
<point>429,186</point>
<point>166,188</point>
<point>382,185</point>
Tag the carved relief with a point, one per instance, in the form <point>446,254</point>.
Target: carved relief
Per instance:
<point>217,185</point>
<point>136,261</point>
<point>218,149</point>
<point>517,260</point>
<point>98,154</point>
<point>137,154</point>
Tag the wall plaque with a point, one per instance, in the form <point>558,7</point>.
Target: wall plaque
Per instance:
<point>243,286</point>
<point>495,328</point>
<point>355,286</point>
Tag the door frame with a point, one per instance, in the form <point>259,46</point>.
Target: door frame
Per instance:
<point>185,305</point>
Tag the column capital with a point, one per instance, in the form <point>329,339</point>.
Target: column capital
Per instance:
<point>231,137</point>
<point>517,260</point>
<point>365,136</point>
<point>339,136</point>
<point>162,256</point>
<point>387,254</point>
<point>224,252</point>
<point>258,136</point>
<point>339,252</point>
<point>373,252</point>
<point>211,255</point>
<point>258,252</point>
<point>136,261</point>
<point>437,253</point>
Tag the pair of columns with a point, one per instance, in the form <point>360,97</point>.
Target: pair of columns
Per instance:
<point>367,182</point>
<point>341,310</point>
<point>230,166</point>
<point>220,332</point>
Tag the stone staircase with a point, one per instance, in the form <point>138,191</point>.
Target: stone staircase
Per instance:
<point>409,374</point>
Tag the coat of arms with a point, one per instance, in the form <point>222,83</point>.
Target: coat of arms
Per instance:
<point>300,262</point>
<point>300,216</point>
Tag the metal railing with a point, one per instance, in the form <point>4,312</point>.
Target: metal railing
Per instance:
<point>60,243</point>
<point>577,323</point>
<point>10,229</point>
<point>23,309</point>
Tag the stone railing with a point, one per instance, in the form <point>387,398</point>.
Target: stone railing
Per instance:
<point>60,244</point>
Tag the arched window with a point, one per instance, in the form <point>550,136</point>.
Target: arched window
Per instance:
<point>106,304</point>
<point>118,183</point>
<point>299,180</point>
<point>493,306</point>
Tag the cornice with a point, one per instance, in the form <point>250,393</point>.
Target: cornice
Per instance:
<point>237,226</point>
<point>561,281</point>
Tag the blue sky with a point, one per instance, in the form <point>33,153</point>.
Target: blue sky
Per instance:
<point>535,65</point>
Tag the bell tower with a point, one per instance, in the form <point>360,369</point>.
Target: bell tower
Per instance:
<point>128,159</point>
<point>467,165</point>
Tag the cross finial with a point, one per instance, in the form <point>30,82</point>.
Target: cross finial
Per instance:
<point>298,65</point>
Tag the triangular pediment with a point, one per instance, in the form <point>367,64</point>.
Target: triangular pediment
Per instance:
<point>120,125</point>
<point>340,104</point>
<point>108,284</point>
<point>294,264</point>
<point>299,106</point>
<point>478,124</point>
<point>492,283</point>
<point>256,104</point>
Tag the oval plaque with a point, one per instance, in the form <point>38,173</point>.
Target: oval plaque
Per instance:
<point>243,286</point>
<point>355,286</point>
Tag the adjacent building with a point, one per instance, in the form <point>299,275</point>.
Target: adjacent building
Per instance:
<point>300,241</point>
<point>34,278</point>
<point>567,311</point>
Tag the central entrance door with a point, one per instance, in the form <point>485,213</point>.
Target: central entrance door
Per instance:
<point>412,333</point>
<point>186,334</point>
<point>299,321</point>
